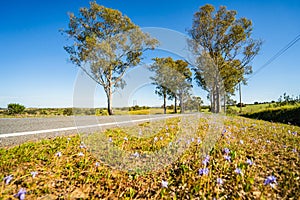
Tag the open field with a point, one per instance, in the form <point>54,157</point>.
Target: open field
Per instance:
<point>288,114</point>
<point>249,159</point>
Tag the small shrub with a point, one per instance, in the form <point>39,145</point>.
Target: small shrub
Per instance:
<point>68,111</point>
<point>101,112</point>
<point>239,105</point>
<point>15,108</point>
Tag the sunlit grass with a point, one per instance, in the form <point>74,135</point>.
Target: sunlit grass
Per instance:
<point>246,155</point>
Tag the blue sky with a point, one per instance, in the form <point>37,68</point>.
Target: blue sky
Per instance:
<point>35,70</point>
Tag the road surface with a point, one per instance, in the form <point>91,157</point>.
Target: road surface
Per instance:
<point>14,131</point>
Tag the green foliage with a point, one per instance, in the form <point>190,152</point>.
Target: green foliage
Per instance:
<point>172,78</point>
<point>193,104</point>
<point>136,107</point>
<point>224,50</point>
<point>109,43</point>
<point>15,108</point>
<point>101,112</point>
<point>68,111</point>
<point>287,100</point>
<point>285,114</point>
<point>240,105</point>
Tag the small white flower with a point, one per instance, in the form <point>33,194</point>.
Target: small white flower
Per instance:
<point>136,154</point>
<point>80,154</point>
<point>241,142</point>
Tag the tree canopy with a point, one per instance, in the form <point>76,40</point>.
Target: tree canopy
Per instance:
<point>223,49</point>
<point>105,45</point>
<point>172,78</point>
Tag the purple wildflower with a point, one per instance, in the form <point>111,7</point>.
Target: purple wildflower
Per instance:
<point>199,141</point>
<point>125,138</point>
<point>7,179</point>
<point>227,158</point>
<point>33,174</point>
<point>206,160</point>
<point>294,150</point>
<point>226,151</point>
<point>270,180</point>
<point>97,164</point>
<point>21,194</point>
<point>220,181</point>
<point>110,139</point>
<point>203,171</point>
<point>238,171</point>
<point>249,162</point>
<point>164,184</point>
<point>58,154</point>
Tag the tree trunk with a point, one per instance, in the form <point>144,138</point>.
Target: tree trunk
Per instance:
<point>218,99</point>
<point>175,106</point>
<point>240,91</point>
<point>165,103</point>
<point>225,103</point>
<point>181,104</point>
<point>211,101</point>
<point>109,101</point>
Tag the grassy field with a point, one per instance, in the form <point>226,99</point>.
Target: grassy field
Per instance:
<point>250,159</point>
<point>252,108</point>
<point>289,114</point>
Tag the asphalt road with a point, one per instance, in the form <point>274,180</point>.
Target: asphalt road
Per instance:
<point>14,131</point>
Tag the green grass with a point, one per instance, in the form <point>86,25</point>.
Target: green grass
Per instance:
<point>251,108</point>
<point>273,148</point>
<point>284,114</point>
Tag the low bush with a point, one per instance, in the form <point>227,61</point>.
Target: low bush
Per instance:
<point>15,108</point>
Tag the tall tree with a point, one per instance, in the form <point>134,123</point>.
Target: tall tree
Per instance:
<point>172,78</point>
<point>223,49</point>
<point>105,45</point>
<point>180,83</point>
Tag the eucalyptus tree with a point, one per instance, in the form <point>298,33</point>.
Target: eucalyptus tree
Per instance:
<point>105,45</point>
<point>172,79</point>
<point>223,50</point>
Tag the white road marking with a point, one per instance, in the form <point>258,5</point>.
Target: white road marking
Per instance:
<point>79,127</point>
